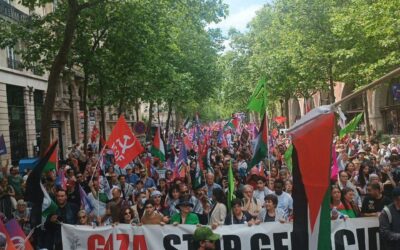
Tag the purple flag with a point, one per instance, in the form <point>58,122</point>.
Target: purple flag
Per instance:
<point>3,149</point>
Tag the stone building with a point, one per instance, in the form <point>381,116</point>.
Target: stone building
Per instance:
<point>383,107</point>
<point>22,94</point>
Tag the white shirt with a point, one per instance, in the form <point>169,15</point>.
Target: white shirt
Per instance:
<point>242,165</point>
<point>285,202</point>
<point>260,195</point>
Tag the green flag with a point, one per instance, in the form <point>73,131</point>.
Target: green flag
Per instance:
<point>351,126</point>
<point>261,147</point>
<point>288,157</point>
<point>257,99</point>
<point>231,185</point>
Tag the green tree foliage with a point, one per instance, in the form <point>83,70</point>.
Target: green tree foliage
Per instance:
<point>304,46</point>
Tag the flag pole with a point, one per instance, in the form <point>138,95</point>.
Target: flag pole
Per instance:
<point>268,123</point>
<point>97,162</point>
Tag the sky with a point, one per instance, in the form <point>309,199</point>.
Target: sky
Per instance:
<point>240,13</point>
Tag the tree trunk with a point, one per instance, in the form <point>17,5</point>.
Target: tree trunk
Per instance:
<point>287,112</point>
<point>103,116</point>
<point>366,115</point>
<point>54,75</point>
<point>85,109</point>
<point>331,85</point>
<point>150,119</point>
<point>120,107</point>
<point>158,114</point>
<point>137,106</point>
<point>168,118</point>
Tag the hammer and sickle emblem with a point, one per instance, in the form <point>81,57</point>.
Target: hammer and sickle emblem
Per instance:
<point>124,146</point>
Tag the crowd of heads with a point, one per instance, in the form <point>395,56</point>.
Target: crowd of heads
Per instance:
<point>150,191</point>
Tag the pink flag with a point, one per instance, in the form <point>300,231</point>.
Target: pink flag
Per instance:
<point>335,167</point>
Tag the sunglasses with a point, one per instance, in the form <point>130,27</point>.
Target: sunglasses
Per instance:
<point>82,217</point>
<point>149,207</point>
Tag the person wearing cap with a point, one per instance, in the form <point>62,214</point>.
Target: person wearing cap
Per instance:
<point>131,177</point>
<point>204,238</point>
<point>185,215</point>
<point>389,223</point>
<point>158,205</point>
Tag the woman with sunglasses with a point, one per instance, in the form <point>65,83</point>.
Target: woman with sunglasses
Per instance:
<point>128,216</point>
<point>83,218</point>
<point>185,215</point>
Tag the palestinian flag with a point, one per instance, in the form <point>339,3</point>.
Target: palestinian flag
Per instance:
<point>261,147</point>
<point>51,165</point>
<point>233,123</point>
<point>49,207</point>
<point>312,144</point>
<point>157,149</point>
<point>35,193</point>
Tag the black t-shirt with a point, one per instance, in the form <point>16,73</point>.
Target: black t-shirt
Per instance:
<point>245,218</point>
<point>371,205</point>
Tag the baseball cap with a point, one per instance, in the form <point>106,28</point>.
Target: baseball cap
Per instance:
<point>205,233</point>
<point>156,193</point>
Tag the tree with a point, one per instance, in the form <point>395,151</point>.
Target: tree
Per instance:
<point>48,41</point>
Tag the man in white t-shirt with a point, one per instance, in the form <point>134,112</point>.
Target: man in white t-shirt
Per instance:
<point>285,201</point>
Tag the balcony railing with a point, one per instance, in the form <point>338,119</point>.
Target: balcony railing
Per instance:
<point>10,11</point>
<point>14,64</point>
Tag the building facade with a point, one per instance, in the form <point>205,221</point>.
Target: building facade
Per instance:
<point>22,95</point>
<point>383,105</point>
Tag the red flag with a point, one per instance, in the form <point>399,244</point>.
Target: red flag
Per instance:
<point>187,142</point>
<point>280,119</point>
<point>275,133</point>
<point>17,235</point>
<point>4,233</point>
<point>124,143</point>
<point>235,122</point>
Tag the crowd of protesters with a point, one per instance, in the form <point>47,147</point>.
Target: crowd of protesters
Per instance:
<point>149,191</point>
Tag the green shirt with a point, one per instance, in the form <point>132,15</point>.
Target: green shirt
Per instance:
<point>191,219</point>
<point>16,183</point>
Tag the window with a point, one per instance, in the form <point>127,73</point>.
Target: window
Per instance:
<point>10,53</point>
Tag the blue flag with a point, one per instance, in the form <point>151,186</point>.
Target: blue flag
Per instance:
<point>3,149</point>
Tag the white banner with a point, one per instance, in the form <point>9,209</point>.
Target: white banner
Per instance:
<point>360,233</point>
